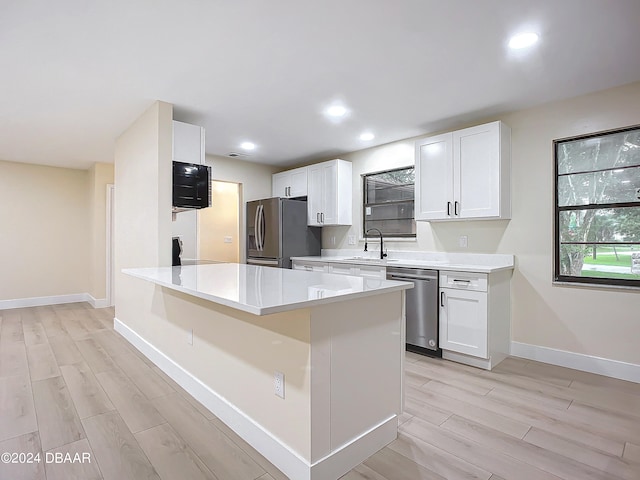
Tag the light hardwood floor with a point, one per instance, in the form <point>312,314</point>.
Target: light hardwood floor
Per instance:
<point>70,384</point>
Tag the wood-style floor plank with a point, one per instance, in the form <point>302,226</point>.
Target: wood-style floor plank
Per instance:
<point>543,459</point>
<point>88,396</point>
<point>95,356</point>
<point>554,422</point>
<point>439,461</point>
<point>428,394</point>
<point>42,362</point>
<point>223,457</point>
<point>65,350</point>
<point>84,469</point>
<point>34,333</point>
<point>171,456</point>
<point>117,452</point>
<point>28,444</point>
<point>632,453</point>
<point>390,464</point>
<point>13,360</point>
<point>58,421</point>
<point>11,329</point>
<point>605,462</point>
<point>17,411</point>
<point>473,452</point>
<point>362,472</point>
<point>134,408</point>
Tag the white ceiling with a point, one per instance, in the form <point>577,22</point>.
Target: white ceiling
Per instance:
<point>76,73</point>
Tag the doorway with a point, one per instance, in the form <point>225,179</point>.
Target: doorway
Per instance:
<point>219,226</point>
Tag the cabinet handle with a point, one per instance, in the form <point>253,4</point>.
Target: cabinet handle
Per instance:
<point>318,217</point>
<point>455,207</point>
<point>449,209</point>
<point>442,299</point>
<point>288,191</point>
<point>461,281</point>
<point>322,217</point>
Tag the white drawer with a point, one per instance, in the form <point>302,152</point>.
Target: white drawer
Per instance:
<point>310,266</point>
<point>342,269</point>
<point>464,281</point>
<point>372,271</point>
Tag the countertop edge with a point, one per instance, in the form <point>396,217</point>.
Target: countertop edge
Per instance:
<point>261,311</point>
<point>408,264</point>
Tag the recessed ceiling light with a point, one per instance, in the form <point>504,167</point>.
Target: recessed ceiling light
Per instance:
<point>247,145</point>
<point>366,136</point>
<point>336,111</point>
<point>523,40</point>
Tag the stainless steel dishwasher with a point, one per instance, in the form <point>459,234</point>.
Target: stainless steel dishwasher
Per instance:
<point>421,308</point>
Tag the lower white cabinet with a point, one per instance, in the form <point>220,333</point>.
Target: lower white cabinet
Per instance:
<point>463,321</point>
<point>475,317</point>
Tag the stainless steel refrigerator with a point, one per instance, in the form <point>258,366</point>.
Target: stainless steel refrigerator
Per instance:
<point>277,230</point>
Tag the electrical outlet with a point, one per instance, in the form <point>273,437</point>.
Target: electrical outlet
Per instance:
<point>352,239</point>
<point>228,239</point>
<point>190,336</point>
<point>463,241</point>
<point>278,384</point>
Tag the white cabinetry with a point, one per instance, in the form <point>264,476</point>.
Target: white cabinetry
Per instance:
<point>188,143</point>
<point>290,183</point>
<point>338,268</point>
<point>464,174</point>
<point>474,317</point>
<point>329,193</point>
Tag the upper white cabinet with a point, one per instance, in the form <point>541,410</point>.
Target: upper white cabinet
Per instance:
<point>464,174</point>
<point>188,143</point>
<point>291,183</point>
<point>329,193</point>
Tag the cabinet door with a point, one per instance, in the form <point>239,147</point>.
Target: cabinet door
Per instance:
<point>463,321</point>
<point>314,195</point>
<point>279,184</point>
<point>188,143</point>
<point>434,178</point>
<point>476,153</point>
<point>298,182</point>
<point>310,266</point>
<point>329,212</point>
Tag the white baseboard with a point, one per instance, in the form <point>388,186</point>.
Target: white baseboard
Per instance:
<point>289,462</point>
<point>53,300</point>
<point>578,361</point>
<point>41,301</point>
<point>97,302</point>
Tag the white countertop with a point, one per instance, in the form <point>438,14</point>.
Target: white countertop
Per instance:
<point>264,290</point>
<point>458,262</point>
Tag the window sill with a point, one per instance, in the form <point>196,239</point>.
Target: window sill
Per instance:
<point>595,286</point>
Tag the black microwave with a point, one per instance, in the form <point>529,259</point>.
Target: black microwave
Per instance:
<point>191,186</point>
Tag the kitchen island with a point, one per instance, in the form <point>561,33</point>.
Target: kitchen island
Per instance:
<point>228,329</point>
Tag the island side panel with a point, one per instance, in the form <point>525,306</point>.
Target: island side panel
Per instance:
<point>235,354</point>
<point>357,348</point>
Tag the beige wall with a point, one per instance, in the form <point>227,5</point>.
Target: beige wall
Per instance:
<point>254,180</point>
<point>218,222</point>
<point>44,231</point>
<point>592,321</point>
<point>100,175</point>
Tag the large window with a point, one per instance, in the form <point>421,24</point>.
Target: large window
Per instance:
<point>388,203</point>
<point>597,220</point>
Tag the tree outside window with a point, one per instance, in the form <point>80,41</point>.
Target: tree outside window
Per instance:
<point>598,208</point>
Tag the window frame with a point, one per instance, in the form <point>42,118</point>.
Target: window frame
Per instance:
<point>586,281</point>
<point>364,204</point>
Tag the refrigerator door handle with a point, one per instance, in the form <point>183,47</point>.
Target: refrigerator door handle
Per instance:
<point>255,227</point>
<point>258,229</point>
<point>263,228</point>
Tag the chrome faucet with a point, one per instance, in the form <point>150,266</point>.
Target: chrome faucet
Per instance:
<point>382,254</point>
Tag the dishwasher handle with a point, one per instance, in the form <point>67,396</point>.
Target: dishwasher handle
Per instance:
<point>403,276</point>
